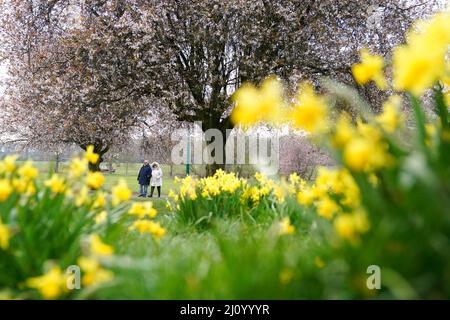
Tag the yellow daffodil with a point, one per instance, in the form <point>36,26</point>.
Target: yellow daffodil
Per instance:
<point>285,226</point>
<point>390,119</point>
<point>50,285</point>
<point>56,184</point>
<point>8,164</point>
<point>82,197</point>
<point>344,131</point>
<point>143,209</point>
<point>93,273</point>
<point>254,104</point>
<point>99,248</point>
<point>90,155</point>
<point>121,192</point>
<point>421,62</point>
<point>5,189</point>
<point>310,111</point>
<point>78,167</point>
<point>327,207</point>
<point>100,200</point>
<point>28,170</point>
<point>20,184</point>
<point>148,226</point>
<point>5,235</point>
<point>370,69</point>
<point>95,180</point>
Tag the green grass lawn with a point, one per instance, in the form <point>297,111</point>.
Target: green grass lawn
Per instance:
<point>128,172</point>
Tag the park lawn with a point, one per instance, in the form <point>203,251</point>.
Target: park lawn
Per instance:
<point>128,172</point>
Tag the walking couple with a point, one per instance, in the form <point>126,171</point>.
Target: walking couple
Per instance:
<point>150,175</point>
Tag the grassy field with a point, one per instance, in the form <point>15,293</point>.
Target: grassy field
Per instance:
<point>128,172</point>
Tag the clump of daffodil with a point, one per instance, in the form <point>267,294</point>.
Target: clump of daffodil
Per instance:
<point>98,247</point>
<point>56,184</point>
<point>5,189</point>
<point>310,110</point>
<point>120,192</point>
<point>143,209</point>
<point>364,148</point>
<point>263,104</point>
<point>93,272</point>
<point>333,190</point>
<point>369,69</point>
<point>50,285</point>
<point>5,235</point>
<point>420,63</point>
<point>8,164</point>
<point>187,188</point>
<point>148,226</point>
<point>95,180</point>
<point>28,171</point>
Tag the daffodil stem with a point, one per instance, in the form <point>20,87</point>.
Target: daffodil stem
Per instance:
<point>420,119</point>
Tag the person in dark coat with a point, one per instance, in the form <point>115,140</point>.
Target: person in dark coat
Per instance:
<point>145,173</point>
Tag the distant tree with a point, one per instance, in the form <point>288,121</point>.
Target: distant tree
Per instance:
<point>77,72</point>
<point>299,155</point>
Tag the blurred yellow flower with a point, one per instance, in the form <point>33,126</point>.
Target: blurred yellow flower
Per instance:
<point>56,184</point>
<point>390,119</point>
<point>8,164</point>
<point>5,235</point>
<point>94,274</point>
<point>305,196</point>
<point>345,226</point>
<point>148,226</point>
<point>99,248</point>
<point>50,285</point>
<point>421,62</point>
<point>90,155</point>
<point>143,209</point>
<point>370,69</point>
<point>100,200</point>
<point>20,184</point>
<point>120,192</point>
<point>95,180</point>
<point>28,170</point>
<point>101,217</point>
<point>285,226</point>
<point>254,104</point>
<point>78,167</point>
<point>5,189</point>
<point>310,111</point>
<point>344,131</point>
<point>327,207</point>
<point>82,197</point>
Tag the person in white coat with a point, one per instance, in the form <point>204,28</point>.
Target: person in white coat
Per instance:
<point>156,180</point>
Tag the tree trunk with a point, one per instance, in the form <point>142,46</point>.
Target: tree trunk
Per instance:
<point>222,126</point>
<point>99,149</point>
<point>57,161</point>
